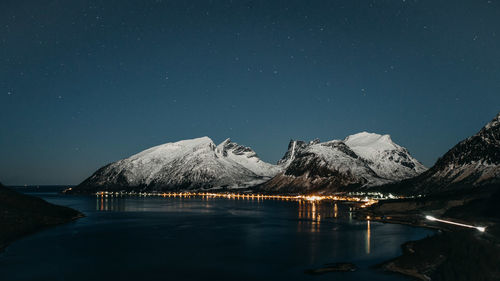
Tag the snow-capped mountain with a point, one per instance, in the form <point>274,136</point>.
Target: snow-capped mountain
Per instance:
<point>183,165</point>
<point>386,158</point>
<point>471,163</point>
<point>361,160</point>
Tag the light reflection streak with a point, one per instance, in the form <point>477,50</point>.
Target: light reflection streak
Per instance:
<point>104,203</point>
<point>309,218</point>
<point>311,215</point>
<point>368,238</point>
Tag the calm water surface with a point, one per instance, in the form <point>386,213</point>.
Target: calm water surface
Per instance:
<point>137,238</point>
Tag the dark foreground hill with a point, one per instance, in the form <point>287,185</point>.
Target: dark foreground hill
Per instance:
<point>22,214</point>
<point>468,166</point>
<point>454,253</point>
<point>463,186</point>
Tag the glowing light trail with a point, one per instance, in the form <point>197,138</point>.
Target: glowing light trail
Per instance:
<point>480,228</point>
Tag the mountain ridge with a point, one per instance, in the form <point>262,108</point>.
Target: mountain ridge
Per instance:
<point>360,160</point>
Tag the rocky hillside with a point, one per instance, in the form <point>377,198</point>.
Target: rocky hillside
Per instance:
<point>359,161</point>
<point>472,163</point>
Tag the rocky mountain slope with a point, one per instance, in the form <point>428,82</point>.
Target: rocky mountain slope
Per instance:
<point>359,161</point>
<point>472,163</point>
<point>183,165</point>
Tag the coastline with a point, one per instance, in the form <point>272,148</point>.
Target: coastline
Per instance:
<point>22,215</point>
<point>452,253</point>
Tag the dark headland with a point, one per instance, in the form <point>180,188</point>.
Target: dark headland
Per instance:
<point>22,214</point>
<point>453,253</point>
<point>462,187</point>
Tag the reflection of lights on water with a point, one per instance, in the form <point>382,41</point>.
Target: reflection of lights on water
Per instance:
<point>480,228</point>
<point>368,238</point>
<point>110,204</point>
<point>312,214</point>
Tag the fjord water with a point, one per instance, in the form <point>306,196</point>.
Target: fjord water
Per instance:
<point>154,238</point>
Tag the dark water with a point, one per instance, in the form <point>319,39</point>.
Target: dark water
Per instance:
<point>136,238</point>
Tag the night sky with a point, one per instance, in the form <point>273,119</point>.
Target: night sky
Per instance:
<point>85,83</point>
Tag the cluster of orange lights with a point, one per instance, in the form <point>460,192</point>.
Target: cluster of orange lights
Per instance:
<point>368,202</point>
<point>313,198</point>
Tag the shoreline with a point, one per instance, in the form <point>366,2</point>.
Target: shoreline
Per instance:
<point>22,215</point>
<point>445,253</point>
<point>388,265</point>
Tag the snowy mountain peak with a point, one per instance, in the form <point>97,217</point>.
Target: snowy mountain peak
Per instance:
<point>195,141</point>
<point>385,157</point>
<point>183,165</point>
<point>225,142</point>
<point>166,149</point>
<point>363,159</point>
<point>293,147</point>
<point>493,123</point>
<point>366,139</point>
<point>228,146</point>
<point>314,141</point>
<point>192,142</point>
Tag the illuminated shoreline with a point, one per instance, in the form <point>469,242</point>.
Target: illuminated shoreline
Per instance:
<point>313,198</point>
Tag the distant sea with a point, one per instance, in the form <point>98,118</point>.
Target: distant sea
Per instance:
<point>151,238</point>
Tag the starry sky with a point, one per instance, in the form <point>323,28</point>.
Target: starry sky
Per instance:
<point>85,83</point>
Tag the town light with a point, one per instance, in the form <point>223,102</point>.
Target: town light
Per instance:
<point>314,198</point>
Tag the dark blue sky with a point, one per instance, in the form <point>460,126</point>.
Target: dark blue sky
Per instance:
<point>85,83</point>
